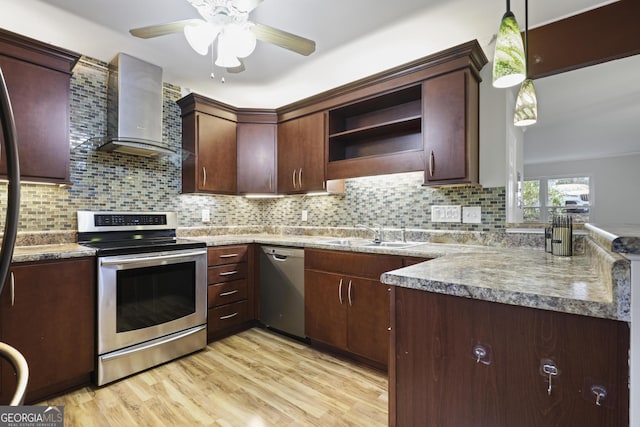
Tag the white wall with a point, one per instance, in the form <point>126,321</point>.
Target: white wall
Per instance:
<point>616,180</point>
<point>493,131</point>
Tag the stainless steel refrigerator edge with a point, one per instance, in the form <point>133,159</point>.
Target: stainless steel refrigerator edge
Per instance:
<point>282,289</point>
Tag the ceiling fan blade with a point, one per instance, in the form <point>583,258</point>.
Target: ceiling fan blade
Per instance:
<point>235,70</point>
<point>246,5</point>
<point>163,29</point>
<point>283,39</point>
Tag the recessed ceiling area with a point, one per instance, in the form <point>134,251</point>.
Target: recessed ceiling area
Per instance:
<point>354,38</point>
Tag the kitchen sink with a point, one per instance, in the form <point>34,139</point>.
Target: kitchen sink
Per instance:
<point>347,242</point>
<point>370,244</point>
<point>392,244</point>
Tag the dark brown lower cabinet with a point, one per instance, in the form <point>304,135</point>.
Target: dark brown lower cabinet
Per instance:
<point>48,314</point>
<point>231,291</point>
<point>346,306</point>
<point>461,362</point>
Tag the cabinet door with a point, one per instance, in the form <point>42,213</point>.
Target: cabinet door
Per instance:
<point>289,156</point>
<point>449,128</point>
<point>368,319</point>
<point>325,308</point>
<point>256,158</point>
<point>437,381</point>
<point>216,155</point>
<point>40,102</point>
<point>312,138</point>
<point>51,322</point>
<point>301,154</point>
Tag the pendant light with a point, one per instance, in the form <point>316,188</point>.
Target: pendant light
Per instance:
<point>526,112</point>
<point>509,67</point>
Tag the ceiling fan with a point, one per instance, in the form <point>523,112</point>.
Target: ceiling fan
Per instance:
<point>228,22</point>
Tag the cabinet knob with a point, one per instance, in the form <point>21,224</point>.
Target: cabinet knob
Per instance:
<point>549,369</point>
<point>481,353</point>
<point>600,393</point>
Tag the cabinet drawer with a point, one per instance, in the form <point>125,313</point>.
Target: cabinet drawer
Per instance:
<point>226,273</point>
<point>227,292</point>
<point>227,254</point>
<point>362,265</point>
<point>227,316</point>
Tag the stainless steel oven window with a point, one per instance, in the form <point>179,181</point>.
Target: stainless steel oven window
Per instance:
<point>126,284</point>
<point>151,296</point>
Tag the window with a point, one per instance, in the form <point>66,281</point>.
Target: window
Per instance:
<point>548,196</point>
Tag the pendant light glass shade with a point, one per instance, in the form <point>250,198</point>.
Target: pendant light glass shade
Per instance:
<point>526,112</point>
<point>509,66</point>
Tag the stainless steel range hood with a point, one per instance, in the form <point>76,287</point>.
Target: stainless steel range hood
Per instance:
<point>134,108</point>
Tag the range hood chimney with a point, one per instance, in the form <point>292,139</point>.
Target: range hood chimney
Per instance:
<point>134,108</point>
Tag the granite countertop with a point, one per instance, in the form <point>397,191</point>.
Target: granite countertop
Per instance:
<point>524,277</point>
<point>519,276</point>
<point>620,238</point>
<point>47,252</point>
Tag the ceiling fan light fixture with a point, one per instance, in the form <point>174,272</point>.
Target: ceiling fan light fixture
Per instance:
<point>200,36</point>
<point>226,57</point>
<point>526,112</point>
<point>241,38</point>
<point>509,67</point>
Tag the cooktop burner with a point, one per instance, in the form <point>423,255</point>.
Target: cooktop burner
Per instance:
<point>120,233</point>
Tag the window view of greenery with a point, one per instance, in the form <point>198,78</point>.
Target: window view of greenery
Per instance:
<point>543,198</point>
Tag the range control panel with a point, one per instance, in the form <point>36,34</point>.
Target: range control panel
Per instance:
<point>89,221</point>
<point>119,220</point>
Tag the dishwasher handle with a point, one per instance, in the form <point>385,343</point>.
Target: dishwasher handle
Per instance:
<point>279,258</point>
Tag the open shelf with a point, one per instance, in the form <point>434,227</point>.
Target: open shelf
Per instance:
<point>375,130</point>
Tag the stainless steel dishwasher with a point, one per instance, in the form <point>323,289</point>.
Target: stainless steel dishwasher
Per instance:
<point>282,289</point>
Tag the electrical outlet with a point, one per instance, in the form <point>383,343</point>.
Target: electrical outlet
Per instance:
<point>472,214</point>
<point>304,215</point>
<point>446,213</point>
<point>206,215</point>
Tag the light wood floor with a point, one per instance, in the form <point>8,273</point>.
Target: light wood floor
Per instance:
<point>255,379</point>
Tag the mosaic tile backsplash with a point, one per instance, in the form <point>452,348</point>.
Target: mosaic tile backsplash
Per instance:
<point>111,181</point>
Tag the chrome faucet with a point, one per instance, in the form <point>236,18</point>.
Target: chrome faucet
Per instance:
<point>377,232</point>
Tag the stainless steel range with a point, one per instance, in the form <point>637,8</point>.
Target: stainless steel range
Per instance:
<point>152,290</point>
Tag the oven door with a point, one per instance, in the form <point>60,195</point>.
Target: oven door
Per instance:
<point>146,296</point>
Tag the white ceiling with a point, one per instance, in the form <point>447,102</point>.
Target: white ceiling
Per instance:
<point>355,38</point>
<point>589,113</point>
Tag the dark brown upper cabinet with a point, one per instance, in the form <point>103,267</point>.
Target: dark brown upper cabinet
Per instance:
<point>450,108</point>
<point>38,78</point>
<point>257,148</point>
<point>209,136</point>
<point>301,154</point>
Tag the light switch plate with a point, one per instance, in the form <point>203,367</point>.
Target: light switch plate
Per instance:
<point>446,213</point>
<point>472,215</point>
<point>304,215</point>
<point>206,215</point>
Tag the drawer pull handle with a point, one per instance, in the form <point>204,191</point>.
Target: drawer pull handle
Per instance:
<point>228,256</point>
<point>340,292</point>
<point>228,273</point>
<point>229,316</point>
<point>349,294</point>
<point>226,294</point>
<point>13,289</point>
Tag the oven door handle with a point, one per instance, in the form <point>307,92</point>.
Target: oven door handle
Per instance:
<point>149,258</point>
